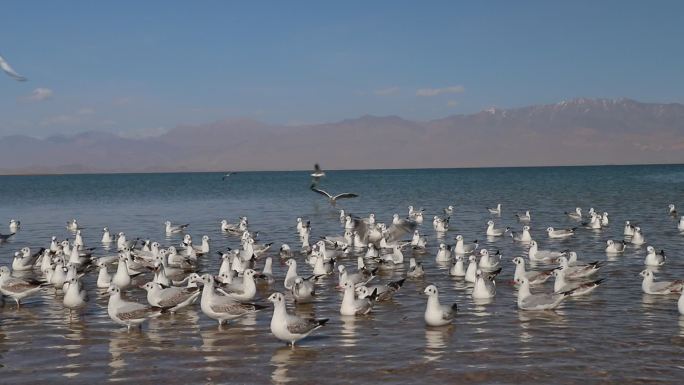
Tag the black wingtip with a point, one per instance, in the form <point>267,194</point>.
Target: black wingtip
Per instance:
<point>323,321</point>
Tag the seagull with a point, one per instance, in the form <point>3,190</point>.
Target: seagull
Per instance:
<point>248,290</point>
<point>106,236</point>
<point>171,298</point>
<point>672,211</point>
<point>384,292</point>
<point>444,253</point>
<point>356,306</point>
<point>629,229</point>
<point>457,269</point>
<point>577,272</point>
<point>226,175</point>
<point>128,313</point>
<point>449,211</point>
<point>492,232</point>
<point>14,225</point>
<point>524,236</point>
<point>9,71</point>
<point>526,217</point>
<point>289,327</point>
<point>415,269</point>
<point>495,211</point>
<point>542,301</point>
<point>303,290</point>
<point>560,233</point>
<point>361,277</point>
<point>170,229</point>
<point>484,287</point>
<point>435,313</point>
<point>5,237</point>
<point>75,296</point>
<point>460,248</point>
<point>615,247</point>
<point>316,175</point>
<point>576,215</point>
<point>638,237</point>
<point>24,260</point>
<point>649,286</point>
<point>680,225</point>
<point>653,258</point>
<point>104,279</point>
<point>575,288</point>
<point>72,225</point>
<point>534,254</point>
<point>489,262</point>
<point>220,307</point>
<point>17,288</point>
<point>333,199</point>
<point>533,277</point>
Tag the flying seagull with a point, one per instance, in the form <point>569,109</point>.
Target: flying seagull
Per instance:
<point>226,175</point>
<point>316,175</point>
<point>331,198</point>
<point>9,71</point>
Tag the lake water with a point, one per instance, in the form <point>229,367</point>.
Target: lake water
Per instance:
<point>616,334</point>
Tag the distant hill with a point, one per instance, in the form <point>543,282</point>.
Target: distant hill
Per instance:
<point>580,131</point>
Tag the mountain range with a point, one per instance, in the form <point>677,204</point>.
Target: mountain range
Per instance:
<point>576,132</point>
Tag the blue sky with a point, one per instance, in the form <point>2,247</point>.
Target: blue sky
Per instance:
<point>141,67</point>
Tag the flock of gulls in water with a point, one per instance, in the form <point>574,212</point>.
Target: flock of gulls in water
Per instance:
<point>173,282</point>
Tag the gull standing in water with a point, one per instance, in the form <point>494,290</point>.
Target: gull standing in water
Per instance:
<point>171,298</point>
<point>128,313</point>
<point>289,327</point>
<point>17,288</point>
<point>333,198</point>
<point>221,307</point>
<point>437,314</point>
<point>356,306</point>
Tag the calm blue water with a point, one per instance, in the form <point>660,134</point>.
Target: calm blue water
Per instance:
<point>616,334</point>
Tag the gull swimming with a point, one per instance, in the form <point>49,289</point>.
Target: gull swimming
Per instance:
<point>560,233</point>
<point>526,217</point>
<point>629,229</point>
<point>533,277</point>
<point>680,225</point>
<point>535,254</point>
<point>106,236</point>
<point>493,232</point>
<point>332,199</point>
<point>383,292</point>
<point>540,301</point>
<point>577,272</point>
<point>489,262</point>
<point>496,210</point>
<point>638,237</point>
<point>289,327</point>
<point>524,236</point>
<point>457,269</point>
<point>128,313</point>
<point>435,313</point>
<point>649,286</point>
<point>14,225</point>
<point>484,286</point>
<point>574,288</point>
<point>171,229</point>
<point>671,210</point>
<point>4,65</point>
<point>576,215</point>
<point>613,247</point>
<point>415,269</point>
<point>444,253</point>
<point>653,258</point>
<point>461,248</point>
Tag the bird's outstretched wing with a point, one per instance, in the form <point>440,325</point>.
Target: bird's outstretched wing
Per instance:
<point>322,192</point>
<point>345,195</point>
<point>10,71</point>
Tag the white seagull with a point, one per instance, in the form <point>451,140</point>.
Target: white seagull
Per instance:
<point>653,258</point>
<point>4,65</point>
<point>649,286</point>
<point>128,313</point>
<point>289,327</point>
<point>435,313</point>
<point>541,301</point>
<point>333,198</point>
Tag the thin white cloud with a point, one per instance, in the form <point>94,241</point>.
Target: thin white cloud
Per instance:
<point>387,91</point>
<point>40,94</point>
<point>440,91</point>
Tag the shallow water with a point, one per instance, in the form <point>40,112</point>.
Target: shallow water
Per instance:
<point>615,334</point>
